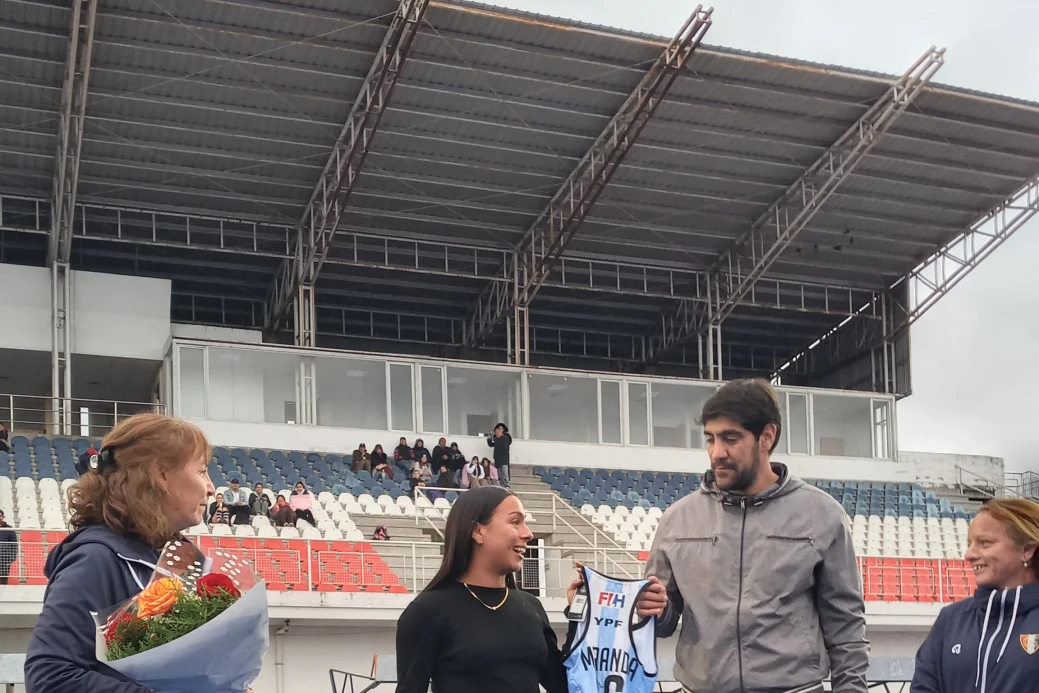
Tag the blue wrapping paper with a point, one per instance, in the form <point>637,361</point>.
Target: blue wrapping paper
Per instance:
<point>223,656</point>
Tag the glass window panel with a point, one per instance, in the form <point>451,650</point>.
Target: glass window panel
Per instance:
<point>432,399</point>
<point>251,386</point>
<point>882,429</point>
<point>351,393</point>
<point>192,382</point>
<point>676,409</point>
<point>842,426</point>
<point>479,398</point>
<point>402,402</point>
<point>795,424</point>
<point>563,408</point>
<point>638,414</point>
<point>610,411</point>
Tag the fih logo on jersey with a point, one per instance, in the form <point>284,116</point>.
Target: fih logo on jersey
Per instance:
<point>614,600</point>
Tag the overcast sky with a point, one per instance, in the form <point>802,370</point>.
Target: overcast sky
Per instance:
<point>975,387</point>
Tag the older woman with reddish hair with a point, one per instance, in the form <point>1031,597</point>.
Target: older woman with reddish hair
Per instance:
<point>149,483</point>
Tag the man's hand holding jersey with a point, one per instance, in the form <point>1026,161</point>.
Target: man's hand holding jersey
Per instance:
<point>653,601</point>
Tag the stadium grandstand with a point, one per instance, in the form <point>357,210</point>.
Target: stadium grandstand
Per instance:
<point>309,225</point>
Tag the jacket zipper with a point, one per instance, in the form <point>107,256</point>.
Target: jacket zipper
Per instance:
<point>739,596</point>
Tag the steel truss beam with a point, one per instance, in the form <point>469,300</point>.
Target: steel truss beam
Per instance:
<point>735,272</point>
<point>887,343</point>
<point>542,247</point>
<point>163,229</point>
<point>295,280</point>
<point>70,128</point>
<point>948,265</point>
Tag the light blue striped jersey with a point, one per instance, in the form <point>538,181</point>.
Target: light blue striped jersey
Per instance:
<point>612,651</point>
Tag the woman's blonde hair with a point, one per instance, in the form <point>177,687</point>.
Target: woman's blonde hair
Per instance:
<point>128,496</point>
<point>1020,520</point>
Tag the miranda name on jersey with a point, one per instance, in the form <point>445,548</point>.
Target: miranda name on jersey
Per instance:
<point>609,659</point>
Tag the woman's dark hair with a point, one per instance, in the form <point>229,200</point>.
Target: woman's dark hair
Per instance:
<point>378,448</point>
<point>474,507</point>
<point>750,402</point>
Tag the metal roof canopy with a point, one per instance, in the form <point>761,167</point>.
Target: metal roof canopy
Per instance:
<point>208,122</point>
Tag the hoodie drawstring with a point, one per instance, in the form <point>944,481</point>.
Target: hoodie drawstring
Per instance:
<point>1013,619</point>
<point>981,642</point>
<point>133,573</point>
<point>981,680</point>
<point>992,639</point>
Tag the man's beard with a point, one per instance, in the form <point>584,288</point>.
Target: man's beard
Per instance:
<point>744,479</point>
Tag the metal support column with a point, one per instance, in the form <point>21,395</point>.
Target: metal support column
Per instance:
<point>70,128</point>
<point>305,314</point>
<point>60,414</point>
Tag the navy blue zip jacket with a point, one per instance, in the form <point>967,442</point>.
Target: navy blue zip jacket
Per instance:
<point>92,570</point>
<point>987,644</point>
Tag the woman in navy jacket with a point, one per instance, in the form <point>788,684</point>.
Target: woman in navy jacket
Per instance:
<point>149,483</point>
<point>990,643</point>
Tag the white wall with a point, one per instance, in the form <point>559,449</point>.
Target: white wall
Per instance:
<point>216,334</point>
<point>941,469</point>
<point>343,440</point>
<point>115,315</point>
<point>26,295</point>
<point>306,653</point>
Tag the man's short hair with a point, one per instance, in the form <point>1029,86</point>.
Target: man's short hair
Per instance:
<point>751,403</point>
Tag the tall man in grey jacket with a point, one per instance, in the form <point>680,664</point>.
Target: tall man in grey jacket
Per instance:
<point>760,566</point>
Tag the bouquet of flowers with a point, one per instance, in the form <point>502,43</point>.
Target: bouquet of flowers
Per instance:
<point>199,626</point>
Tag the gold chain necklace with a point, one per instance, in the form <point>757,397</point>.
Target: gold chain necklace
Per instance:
<point>492,608</point>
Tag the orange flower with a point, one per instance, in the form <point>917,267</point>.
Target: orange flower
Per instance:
<point>159,597</point>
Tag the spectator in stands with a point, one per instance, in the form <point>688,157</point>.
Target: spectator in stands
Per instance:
<point>967,648</point>
<point>473,474</point>
<point>501,441</point>
<point>798,590</point>
<point>441,453</point>
<point>362,460</point>
<point>221,516</point>
<point>8,549</point>
<point>446,478</point>
<point>381,469</point>
<point>471,629</point>
<point>302,503</point>
<point>419,450</point>
<point>381,533</point>
<point>490,472</point>
<point>4,447</point>
<point>456,459</point>
<point>236,499</point>
<point>425,472</point>
<point>260,502</point>
<point>148,484</point>
<point>416,483</point>
<point>282,514</point>
<point>403,456</point>
<point>378,457</point>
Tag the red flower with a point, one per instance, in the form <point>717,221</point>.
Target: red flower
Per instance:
<point>119,627</point>
<point>213,584</point>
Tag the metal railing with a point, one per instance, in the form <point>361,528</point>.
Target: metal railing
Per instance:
<point>585,530</point>
<point>406,567</point>
<point>1023,484</point>
<point>31,415</point>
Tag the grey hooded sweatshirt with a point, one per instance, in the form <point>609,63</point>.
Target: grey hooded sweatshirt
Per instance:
<point>766,586</point>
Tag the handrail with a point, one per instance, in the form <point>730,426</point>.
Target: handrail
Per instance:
<point>1026,486</point>
<point>556,515</point>
<point>986,487</point>
<point>38,414</point>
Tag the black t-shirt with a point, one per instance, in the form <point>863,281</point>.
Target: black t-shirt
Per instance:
<point>446,637</point>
